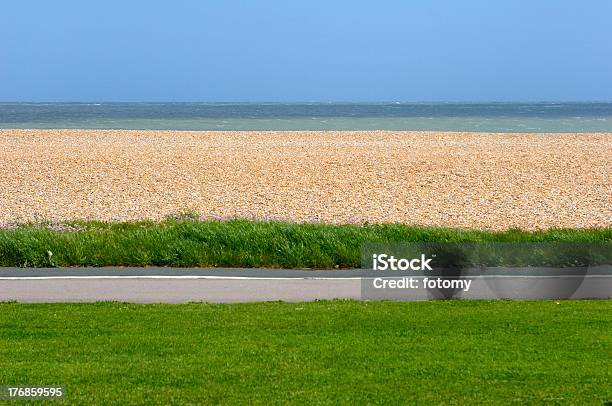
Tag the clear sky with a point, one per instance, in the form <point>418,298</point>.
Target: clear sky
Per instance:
<point>309,50</point>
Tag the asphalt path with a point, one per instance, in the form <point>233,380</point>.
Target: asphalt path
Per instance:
<point>229,285</point>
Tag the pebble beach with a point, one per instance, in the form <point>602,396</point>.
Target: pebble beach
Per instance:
<point>465,180</point>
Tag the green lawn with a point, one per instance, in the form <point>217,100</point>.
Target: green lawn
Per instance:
<point>236,243</point>
<point>460,352</point>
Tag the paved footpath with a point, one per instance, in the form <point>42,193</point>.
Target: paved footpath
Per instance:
<point>218,285</point>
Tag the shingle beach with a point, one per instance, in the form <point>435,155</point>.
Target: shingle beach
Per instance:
<point>465,180</point>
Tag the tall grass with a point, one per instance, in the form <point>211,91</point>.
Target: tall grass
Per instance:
<point>234,243</point>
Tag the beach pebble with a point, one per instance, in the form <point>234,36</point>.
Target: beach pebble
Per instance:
<point>465,180</point>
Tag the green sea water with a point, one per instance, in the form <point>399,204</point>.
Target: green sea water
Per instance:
<point>486,117</point>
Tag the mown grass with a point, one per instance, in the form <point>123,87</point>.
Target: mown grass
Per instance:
<point>235,243</point>
<point>330,352</point>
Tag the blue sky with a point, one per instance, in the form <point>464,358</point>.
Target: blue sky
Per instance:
<point>316,50</point>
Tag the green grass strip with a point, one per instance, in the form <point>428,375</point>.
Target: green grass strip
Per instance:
<point>235,243</point>
<point>338,352</point>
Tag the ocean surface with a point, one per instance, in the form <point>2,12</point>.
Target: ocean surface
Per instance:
<point>494,117</point>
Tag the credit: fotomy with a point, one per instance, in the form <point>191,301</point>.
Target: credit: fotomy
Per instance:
<point>416,283</point>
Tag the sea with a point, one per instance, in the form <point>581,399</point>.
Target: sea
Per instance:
<point>540,117</point>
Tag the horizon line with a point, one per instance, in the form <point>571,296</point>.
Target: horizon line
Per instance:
<point>302,101</point>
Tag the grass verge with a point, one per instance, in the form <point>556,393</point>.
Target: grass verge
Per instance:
<point>235,243</point>
<point>346,352</point>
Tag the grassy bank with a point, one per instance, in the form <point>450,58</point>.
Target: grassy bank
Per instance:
<point>322,352</point>
<point>236,243</point>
